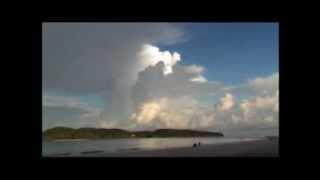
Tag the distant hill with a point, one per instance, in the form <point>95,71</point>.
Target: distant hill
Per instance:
<point>101,133</point>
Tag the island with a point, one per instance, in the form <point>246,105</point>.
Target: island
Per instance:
<point>60,133</point>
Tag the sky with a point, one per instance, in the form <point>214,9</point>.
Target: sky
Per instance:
<point>160,75</point>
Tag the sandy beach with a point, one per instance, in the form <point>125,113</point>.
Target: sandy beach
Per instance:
<point>257,148</point>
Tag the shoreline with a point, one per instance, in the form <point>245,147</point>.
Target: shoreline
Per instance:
<point>267,147</point>
<point>255,148</point>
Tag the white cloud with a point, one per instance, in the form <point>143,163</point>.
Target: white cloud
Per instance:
<point>151,55</point>
<point>181,112</point>
<point>187,112</point>
<point>259,110</point>
<point>265,85</point>
<point>258,86</point>
<point>152,83</point>
<point>227,102</point>
<point>199,79</point>
<point>262,110</point>
<point>195,69</point>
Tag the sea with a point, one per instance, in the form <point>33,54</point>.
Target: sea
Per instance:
<point>80,147</point>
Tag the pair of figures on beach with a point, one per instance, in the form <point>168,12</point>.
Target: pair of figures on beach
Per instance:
<point>195,144</point>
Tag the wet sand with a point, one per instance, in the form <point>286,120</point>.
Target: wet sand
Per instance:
<point>257,148</point>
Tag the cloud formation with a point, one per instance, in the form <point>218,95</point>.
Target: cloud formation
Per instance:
<point>265,85</point>
<point>227,102</point>
<point>145,87</point>
<point>169,101</point>
<point>151,55</point>
<point>183,112</point>
<point>258,85</point>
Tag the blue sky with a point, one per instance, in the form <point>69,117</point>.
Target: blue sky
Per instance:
<point>231,52</point>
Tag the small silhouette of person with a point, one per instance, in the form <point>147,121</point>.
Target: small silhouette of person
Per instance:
<point>194,145</point>
<point>199,144</point>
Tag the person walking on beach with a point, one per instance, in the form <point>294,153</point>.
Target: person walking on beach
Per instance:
<point>199,144</point>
